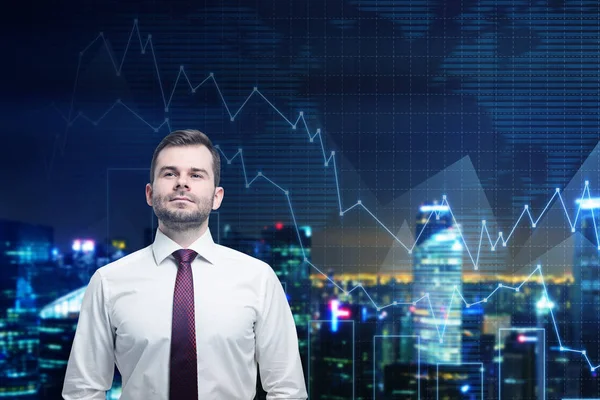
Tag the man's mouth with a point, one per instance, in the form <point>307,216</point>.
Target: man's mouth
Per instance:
<point>179,198</point>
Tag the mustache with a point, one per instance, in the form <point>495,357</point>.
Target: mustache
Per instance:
<point>182,194</point>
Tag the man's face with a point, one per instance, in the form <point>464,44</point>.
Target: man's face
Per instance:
<point>183,193</point>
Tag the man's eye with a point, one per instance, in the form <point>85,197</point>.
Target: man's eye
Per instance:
<point>168,173</point>
<point>197,176</point>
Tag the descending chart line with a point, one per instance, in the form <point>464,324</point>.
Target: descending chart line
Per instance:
<point>167,98</point>
<point>474,256</point>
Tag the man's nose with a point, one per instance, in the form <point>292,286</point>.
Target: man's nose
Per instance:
<point>182,181</point>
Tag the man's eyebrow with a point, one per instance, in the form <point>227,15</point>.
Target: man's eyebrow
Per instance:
<point>194,169</point>
<point>173,168</point>
<point>166,167</point>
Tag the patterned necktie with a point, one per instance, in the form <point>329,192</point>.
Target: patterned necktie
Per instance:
<point>183,371</point>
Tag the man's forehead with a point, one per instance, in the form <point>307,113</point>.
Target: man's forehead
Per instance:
<point>177,156</point>
<point>192,149</point>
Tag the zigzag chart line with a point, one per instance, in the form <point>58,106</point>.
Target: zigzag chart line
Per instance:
<point>484,230</point>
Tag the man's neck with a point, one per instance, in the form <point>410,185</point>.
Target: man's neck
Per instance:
<point>184,238</point>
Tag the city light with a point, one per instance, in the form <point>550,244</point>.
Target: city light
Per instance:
<point>343,313</point>
<point>336,313</point>
<point>589,203</point>
<point>434,208</point>
<point>333,305</point>
<point>445,237</point>
<point>544,304</point>
<point>457,246</point>
<point>119,244</point>
<point>526,339</point>
<point>307,230</point>
<point>84,245</point>
<point>88,246</point>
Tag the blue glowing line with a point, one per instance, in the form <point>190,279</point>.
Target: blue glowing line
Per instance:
<point>493,244</point>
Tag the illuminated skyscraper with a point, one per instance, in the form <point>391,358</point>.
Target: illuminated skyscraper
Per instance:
<point>437,274</point>
<point>58,321</point>
<point>23,247</point>
<point>586,270</point>
<point>281,248</point>
<point>20,244</point>
<point>332,371</point>
<point>519,366</point>
<point>585,302</point>
<point>18,363</point>
<point>287,250</point>
<point>284,248</point>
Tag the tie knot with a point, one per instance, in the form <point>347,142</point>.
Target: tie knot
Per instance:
<point>184,256</point>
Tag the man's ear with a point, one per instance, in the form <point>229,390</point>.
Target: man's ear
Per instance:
<point>149,194</point>
<point>218,197</point>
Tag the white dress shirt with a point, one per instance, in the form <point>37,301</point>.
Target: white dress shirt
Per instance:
<point>242,318</point>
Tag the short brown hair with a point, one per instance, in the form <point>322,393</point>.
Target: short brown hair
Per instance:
<point>188,137</point>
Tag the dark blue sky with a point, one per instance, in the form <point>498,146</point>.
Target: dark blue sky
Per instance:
<point>395,93</point>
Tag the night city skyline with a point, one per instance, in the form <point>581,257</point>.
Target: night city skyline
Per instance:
<point>423,178</point>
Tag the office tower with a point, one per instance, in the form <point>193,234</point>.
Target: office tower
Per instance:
<point>455,381</point>
<point>235,239</point>
<point>473,320</point>
<point>58,322</point>
<point>586,272</point>
<point>366,329</point>
<point>585,303</point>
<point>284,248</point>
<point>23,247</point>
<point>287,249</point>
<point>518,364</point>
<point>472,326</point>
<point>437,277</point>
<point>341,351</point>
<point>332,369</point>
<point>401,381</point>
<point>20,244</point>
<point>396,372</point>
<point>487,348</point>
<point>18,356</point>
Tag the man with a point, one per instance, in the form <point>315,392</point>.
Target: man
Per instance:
<point>185,318</point>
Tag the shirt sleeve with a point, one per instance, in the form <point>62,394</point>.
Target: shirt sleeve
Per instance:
<point>277,351</point>
<point>91,366</point>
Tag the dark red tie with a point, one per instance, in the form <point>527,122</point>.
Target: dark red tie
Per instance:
<point>183,382</point>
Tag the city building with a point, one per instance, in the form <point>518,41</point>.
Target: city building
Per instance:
<point>23,247</point>
<point>437,279</point>
<point>518,366</point>
<point>20,244</point>
<point>585,299</point>
<point>58,322</point>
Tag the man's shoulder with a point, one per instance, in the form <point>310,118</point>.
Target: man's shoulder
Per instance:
<point>130,260</point>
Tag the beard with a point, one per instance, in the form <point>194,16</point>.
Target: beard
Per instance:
<point>188,218</point>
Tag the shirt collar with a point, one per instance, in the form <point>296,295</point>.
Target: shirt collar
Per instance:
<point>163,247</point>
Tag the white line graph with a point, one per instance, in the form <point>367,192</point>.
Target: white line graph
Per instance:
<point>485,235</point>
<point>300,120</point>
